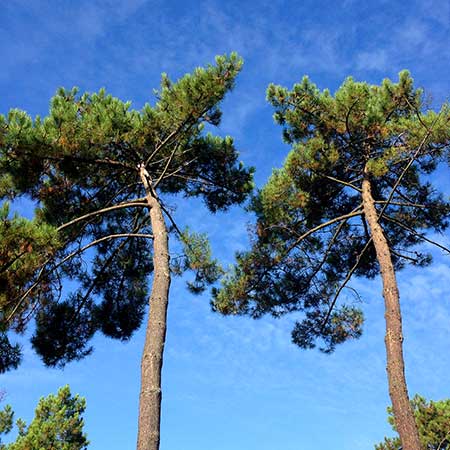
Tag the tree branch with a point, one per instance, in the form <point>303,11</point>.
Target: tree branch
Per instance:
<point>139,202</point>
<point>415,233</point>
<point>67,258</point>
<point>345,183</point>
<point>401,255</point>
<point>344,283</point>
<point>412,205</point>
<point>166,167</point>
<point>413,158</point>
<point>356,212</point>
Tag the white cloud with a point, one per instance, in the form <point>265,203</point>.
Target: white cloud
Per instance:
<point>376,60</point>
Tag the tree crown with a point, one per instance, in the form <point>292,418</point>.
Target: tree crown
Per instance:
<point>311,235</point>
<point>81,164</point>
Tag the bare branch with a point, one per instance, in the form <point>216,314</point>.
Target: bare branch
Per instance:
<point>345,183</point>
<point>328,250</point>
<point>415,233</point>
<point>413,158</point>
<point>179,169</point>
<point>166,167</point>
<point>25,295</point>
<point>67,258</point>
<point>171,219</point>
<point>106,161</point>
<point>139,202</point>
<point>412,205</point>
<point>356,212</point>
<point>165,141</point>
<point>347,117</point>
<point>403,256</point>
<point>417,113</point>
<point>344,283</point>
<point>172,134</point>
<point>102,239</point>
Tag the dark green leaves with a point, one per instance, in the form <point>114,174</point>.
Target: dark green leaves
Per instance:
<point>62,332</point>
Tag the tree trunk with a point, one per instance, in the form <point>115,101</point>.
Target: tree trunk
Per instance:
<point>403,413</point>
<point>152,357</point>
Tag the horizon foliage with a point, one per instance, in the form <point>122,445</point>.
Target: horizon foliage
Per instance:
<point>433,423</point>
<point>57,424</point>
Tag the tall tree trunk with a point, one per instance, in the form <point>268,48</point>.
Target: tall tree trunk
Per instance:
<point>398,391</point>
<point>152,357</point>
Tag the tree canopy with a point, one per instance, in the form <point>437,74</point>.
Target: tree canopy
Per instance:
<point>311,235</point>
<point>57,424</point>
<point>80,165</point>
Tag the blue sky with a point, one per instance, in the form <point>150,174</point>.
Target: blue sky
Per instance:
<point>234,383</point>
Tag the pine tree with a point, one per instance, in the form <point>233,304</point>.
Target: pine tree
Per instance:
<point>102,175</point>
<point>354,198</point>
<point>57,424</point>
<point>433,423</point>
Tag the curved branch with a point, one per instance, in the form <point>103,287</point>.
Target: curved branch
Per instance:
<point>139,202</point>
<point>412,205</point>
<point>356,212</point>
<point>102,239</point>
<point>415,233</point>
<point>410,162</point>
<point>344,283</point>
<point>347,118</point>
<point>166,167</point>
<point>171,220</point>
<point>345,183</point>
<point>67,258</point>
<point>402,255</point>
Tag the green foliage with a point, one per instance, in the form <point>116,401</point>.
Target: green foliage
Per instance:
<point>81,163</point>
<point>433,423</point>
<point>197,257</point>
<point>310,235</point>
<point>24,246</point>
<point>57,424</point>
<point>6,420</point>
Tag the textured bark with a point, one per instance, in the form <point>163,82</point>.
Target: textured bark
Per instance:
<point>152,357</point>
<point>403,413</point>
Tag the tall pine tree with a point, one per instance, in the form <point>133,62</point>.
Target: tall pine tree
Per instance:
<point>102,175</point>
<point>354,198</point>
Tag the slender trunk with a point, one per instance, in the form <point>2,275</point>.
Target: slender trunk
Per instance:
<point>152,357</point>
<point>403,413</point>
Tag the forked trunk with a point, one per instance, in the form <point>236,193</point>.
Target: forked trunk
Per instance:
<point>403,413</point>
<point>152,357</point>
